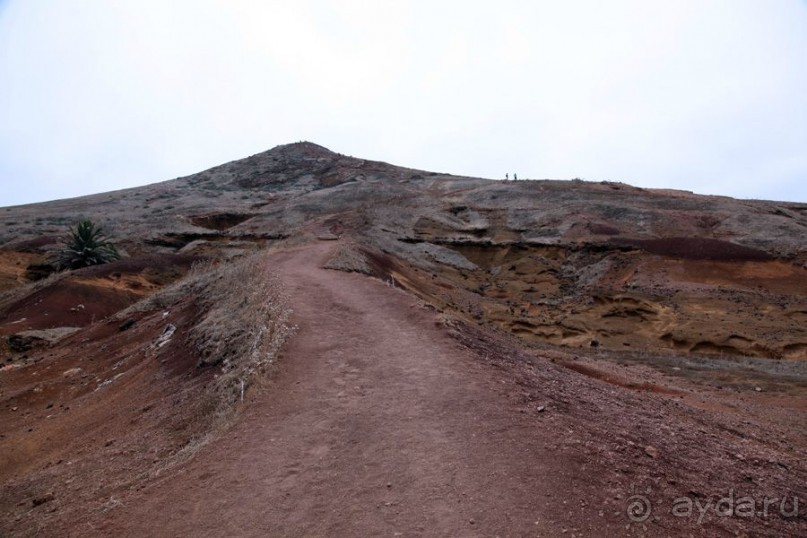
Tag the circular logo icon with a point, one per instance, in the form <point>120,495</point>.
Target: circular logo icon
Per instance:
<point>639,508</point>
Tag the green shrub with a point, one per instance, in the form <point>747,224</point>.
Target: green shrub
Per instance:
<point>86,245</point>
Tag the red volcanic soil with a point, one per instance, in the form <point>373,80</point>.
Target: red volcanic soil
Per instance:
<point>99,414</point>
<point>69,303</point>
<point>383,417</point>
<point>698,248</point>
<point>93,293</point>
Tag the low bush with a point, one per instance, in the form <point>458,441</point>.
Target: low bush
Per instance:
<point>86,245</point>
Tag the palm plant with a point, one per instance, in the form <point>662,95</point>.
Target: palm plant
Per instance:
<point>86,245</point>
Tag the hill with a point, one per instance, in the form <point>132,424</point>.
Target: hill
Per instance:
<point>662,334</point>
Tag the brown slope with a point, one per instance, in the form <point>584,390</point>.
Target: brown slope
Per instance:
<point>377,422</point>
<point>97,413</point>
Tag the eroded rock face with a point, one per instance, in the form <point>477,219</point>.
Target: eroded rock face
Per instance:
<point>627,299</point>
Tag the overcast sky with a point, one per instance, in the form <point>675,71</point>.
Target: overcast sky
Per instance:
<point>702,95</point>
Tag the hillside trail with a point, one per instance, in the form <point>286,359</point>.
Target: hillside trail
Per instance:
<point>374,422</point>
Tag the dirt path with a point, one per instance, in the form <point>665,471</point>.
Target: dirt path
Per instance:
<point>376,423</point>
<point>381,421</point>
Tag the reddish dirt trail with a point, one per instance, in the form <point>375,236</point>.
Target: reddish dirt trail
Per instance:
<point>381,420</point>
<point>375,423</point>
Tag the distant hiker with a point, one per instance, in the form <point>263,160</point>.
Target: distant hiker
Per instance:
<point>507,176</point>
<point>515,177</point>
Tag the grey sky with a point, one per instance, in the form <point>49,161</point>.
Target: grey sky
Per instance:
<point>703,95</point>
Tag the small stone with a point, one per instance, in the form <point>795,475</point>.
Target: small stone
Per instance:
<point>758,389</point>
<point>651,451</point>
<point>14,408</point>
<point>541,408</point>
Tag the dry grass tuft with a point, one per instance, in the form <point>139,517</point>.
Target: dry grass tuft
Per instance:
<point>245,322</point>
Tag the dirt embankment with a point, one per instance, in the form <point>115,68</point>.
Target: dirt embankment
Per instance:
<point>107,408</point>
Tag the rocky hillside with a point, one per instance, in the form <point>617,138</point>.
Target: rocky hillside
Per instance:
<point>571,263</point>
